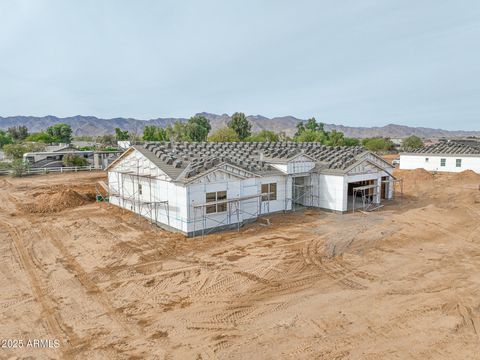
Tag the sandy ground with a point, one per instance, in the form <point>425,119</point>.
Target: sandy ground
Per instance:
<point>401,283</point>
<point>390,157</point>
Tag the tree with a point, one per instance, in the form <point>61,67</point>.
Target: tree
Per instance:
<point>197,128</point>
<point>240,125</point>
<point>351,141</point>
<point>154,133</point>
<point>42,137</point>
<point>106,140</point>
<point>335,138</point>
<point>16,151</point>
<point>18,133</point>
<point>20,167</point>
<point>150,133</point>
<point>311,136</point>
<point>225,134</point>
<point>262,136</point>
<point>378,144</point>
<point>74,160</point>
<point>282,136</point>
<point>412,142</point>
<point>121,135</point>
<point>177,131</point>
<point>300,128</point>
<point>312,127</point>
<point>5,138</point>
<point>61,133</point>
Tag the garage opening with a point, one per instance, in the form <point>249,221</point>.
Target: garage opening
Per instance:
<point>363,195</point>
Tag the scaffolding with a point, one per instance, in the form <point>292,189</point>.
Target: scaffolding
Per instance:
<point>300,193</point>
<point>370,195</point>
<point>371,200</point>
<point>233,213</point>
<point>394,183</point>
<point>149,208</point>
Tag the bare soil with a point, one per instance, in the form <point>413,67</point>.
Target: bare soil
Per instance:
<point>400,283</point>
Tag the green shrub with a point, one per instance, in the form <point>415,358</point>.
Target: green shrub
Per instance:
<point>74,160</point>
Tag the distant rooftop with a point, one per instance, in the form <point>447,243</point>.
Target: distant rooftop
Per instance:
<point>448,148</point>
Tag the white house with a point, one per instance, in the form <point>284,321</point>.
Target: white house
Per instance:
<point>444,157</point>
<point>201,187</point>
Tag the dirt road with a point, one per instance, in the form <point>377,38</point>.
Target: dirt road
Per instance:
<point>402,283</point>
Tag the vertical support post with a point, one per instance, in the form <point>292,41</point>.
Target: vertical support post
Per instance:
<point>353,201</point>
<point>194,221</point>
<point>238,215</point>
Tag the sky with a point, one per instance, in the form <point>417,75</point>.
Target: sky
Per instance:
<point>357,63</point>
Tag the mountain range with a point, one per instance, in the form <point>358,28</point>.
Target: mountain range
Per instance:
<point>91,125</point>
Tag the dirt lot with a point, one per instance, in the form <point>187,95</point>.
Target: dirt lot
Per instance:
<point>401,283</point>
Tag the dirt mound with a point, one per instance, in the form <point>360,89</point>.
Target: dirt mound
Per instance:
<point>413,175</point>
<point>468,175</point>
<point>55,201</point>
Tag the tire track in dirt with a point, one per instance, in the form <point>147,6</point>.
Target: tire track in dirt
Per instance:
<point>470,318</point>
<point>50,319</point>
<point>91,288</point>
<point>335,270</point>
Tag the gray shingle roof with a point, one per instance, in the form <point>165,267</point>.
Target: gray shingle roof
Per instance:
<point>448,148</point>
<point>184,160</point>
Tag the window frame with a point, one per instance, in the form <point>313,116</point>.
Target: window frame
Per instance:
<point>214,196</point>
<point>269,187</point>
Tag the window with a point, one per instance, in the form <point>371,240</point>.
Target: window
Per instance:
<point>214,197</point>
<point>271,190</point>
<point>459,163</point>
<point>140,189</point>
<point>443,162</point>
<point>221,195</point>
<point>426,159</point>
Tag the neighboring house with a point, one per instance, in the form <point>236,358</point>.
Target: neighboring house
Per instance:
<point>189,187</point>
<point>397,142</point>
<point>444,156</point>
<point>83,144</point>
<point>54,159</point>
<point>58,147</point>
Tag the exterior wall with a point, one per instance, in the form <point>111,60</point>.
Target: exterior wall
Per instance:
<point>297,167</point>
<point>249,208</point>
<point>284,188</point>
<point>282,167</point>
<point>152,190</point>
<point>197,195</point>
<point>155,187</point>
<point>411,162</point>
<point>328,191</point>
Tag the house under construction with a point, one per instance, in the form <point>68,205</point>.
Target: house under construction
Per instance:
<point>196,188</point>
